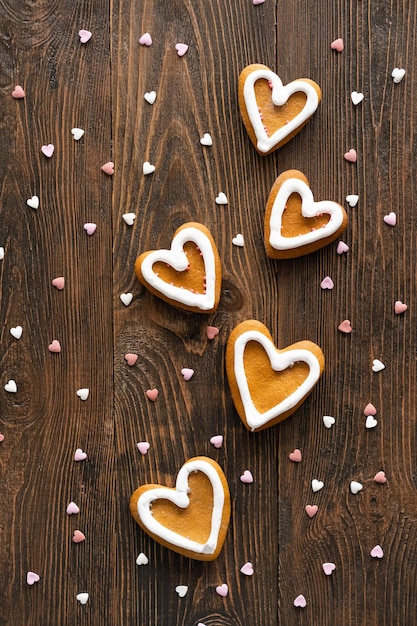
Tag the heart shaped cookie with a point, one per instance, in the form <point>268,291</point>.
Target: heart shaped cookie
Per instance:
<point>191,518</point>
<point>267,384</point>
<point>294,223</point>
<point>188,275</point>
<point>272,112</point>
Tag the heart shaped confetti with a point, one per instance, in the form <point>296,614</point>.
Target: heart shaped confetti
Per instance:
<point>152,394</point>
<point>143,447</point>
<point>351,155</point>
<point>345,327</point>
<point>79,455</point>
<point>90,228</point>
<point>369,410</point>
<point>150,97</point>
<point>371,422</point>
<point>83,393</point>
<point>247,477</point>
<point>1,253</point>
<point>337,45</point>
<point>16,332</point>
<point>257,2</point>
<point>187,373</point>
<point>355,486</point>
<point>32,578</point>
<point>212,332</point>
<point>84,35</point>
<point>18,92</point>
<point>108,168</point>
<point>78,536</point>
<point>397,74</point>
<point>48,150</point>
<point>390,219</point>
<point>399,307</point>
<point>33,202</point>
<point>131,358</point>
<point>216,441</point>
<point>356,97</point>
<point>72,509</point>
<point>295,456</point>
<point>221,198</point>
<point>77,133</point>
<point>11,386</point>
<point>142,559</point>
<point>247,569</point>
<point>181,49</point>
<point>311,509</point>
<point>352,200</point>
<point>181,590</point>
<point>126,298</point>
<point>1,437</point>
<point>206,140</point>
<point>377,552</point>
<point>328,421</point>
<point>129,218</point>
<point>59,283</point>
<point>317,485</point>
<point>145,40</point>
<point>377,365</point>
<point>380,478</point>
<point>300,601</point>
<point>147,168</point>
<point>82,597</point>
<point>342,247</point>
<point>222,590</point>
<point>55,346</point>
<point>238,241</point>
<point>327,283</point>
<point>329,568</point>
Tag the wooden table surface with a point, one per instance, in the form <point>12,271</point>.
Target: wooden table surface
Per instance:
<point>99,86</point>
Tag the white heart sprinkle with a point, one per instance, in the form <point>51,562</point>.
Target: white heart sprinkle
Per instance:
<point>357,97</point>
<point>129,218</point>
<point>82,598</point>
<point>83,394</point>
<point>206,140</point>
<point>181,590</point>
<point>355,487</point>
<point>328,421</point>
<point>150,97</point>
<point>77,133</point>
<point>238,241</point>
<point>316,485</point>
<point>352,200</point>
<point>1,253</point>
<point>221,198</point>
<point>377,365</point>
<point>16,332</point>
<point>33,202</point>
<point>142,559</point>
<point>397,74</point>
<point>11,386</point>
<point>147,168</point>
<point>126,298</point>
<point>371,422</point>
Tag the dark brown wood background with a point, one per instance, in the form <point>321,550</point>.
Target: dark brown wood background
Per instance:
<point>99,87</point>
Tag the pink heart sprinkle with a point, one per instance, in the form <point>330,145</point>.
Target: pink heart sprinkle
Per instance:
<point>79,455</point>
<point>311,509</point>
<point>400,307</point>
<point>247,477</point>
<point>18,92</point>
<point>300,601</point>
<point>48,150</point>
<point>84,35</point>
<point>345,327</point>
<point>295,456</point>
<point>222,590</point>
<point>337,45</point>
<point>72,509</point>
<point>90,228</point>
<point>377,552</point>
<point>152,394</point>
<point>32,578</point>
<point>328,568</point>
<point>212,332</point>
<point>342,247</point>
<point>256,2</point>
<point>351,155</point>
<point>55,346</point>
<point>390,219</point>
<point>145,40</point>
<point>369,410</point>
<point>59,282</point>
<point>78,536</point>
<point>217,441</point>
<point>327,283</point>
<point>131,358</point>
<point>181,49</point>
<point>187,373</point>
<point>380,478</point>
<point>247,569</point>
<point>108,168</point>
<point>143,447</point>
<point>1,437</point>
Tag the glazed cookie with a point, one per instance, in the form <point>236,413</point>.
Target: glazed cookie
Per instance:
<point>272,112</point>
<point>188,275</point>
<point>294,223</point>
<point>267,384</point>
<point>192,518</point>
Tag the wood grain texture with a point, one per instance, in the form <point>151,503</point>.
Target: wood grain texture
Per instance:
<point>100,86</point>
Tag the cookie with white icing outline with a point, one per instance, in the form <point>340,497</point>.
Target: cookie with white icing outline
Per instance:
<point>272,112</point>
<point>188,275</point>
<point>191,518</point>
<point>267,384</point>
<point>294,223</point>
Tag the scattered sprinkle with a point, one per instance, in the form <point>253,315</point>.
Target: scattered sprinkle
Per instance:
<point>212,332</point>
<point>238,240</point>
<point>32,578</point>
<point>256,2</point>
<point>352,200</point>
<point>345,326</point>
<point>18,92</point>
<point>222,590</point>
<point>82,597</point>
<point>147,168</point>
<point>16,332</point>
<point>400,307</point>
<point>131,358</point>
<point>1,253</point>
<point>78,536</point>
<point>90,228</point>
<point>371,422</point>
<point>247,569</point>
<point>369,410</point>
<point>80,455</point>
<point>328,421</point>
<point>311,509</point>
<point>342,247</point>
<point>187,373</point>
<point>33,202</point>
<point>316,485</point>
<point>247,477</point>
<point>217,441</point>
<point>206,140</point>
<point>329,568</point>
<point>83,393</point>
<point>377,552</point>
<point>327,283</point>
<point>126,298</point>
<point>181,590</point>
<point>142,559</point>
<point>59,283</point>
<point>129,218</point>
<point>295,456</point>
<point>377,365</point>
<point>181,49</point>
<point>355,487</point>
<point>337,45</point>
<point>150,97</point>
<point>48,150</point>
<point>11,386</point>
<point>380,478</point>
<point>84,35</point>
<point>300,601</point>
<point>1,437</point>
<point>143,447</point>
<point>108,168</point>
<point>221,198</point>
<point>77,133</point>
<point>390,219</point>
<point>55,346</point>
<point>351,155</point>
<point>356,97</point>
<point>72,509</point>
<point>145,40</point>
<point>397,74</point>
<point>152,394</point>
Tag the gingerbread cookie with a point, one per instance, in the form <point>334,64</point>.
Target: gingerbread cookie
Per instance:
<point>191,518</point>
<point>294,223</point>
<point>188,275</point>
<point>272,112</point>
<point>268,384</point>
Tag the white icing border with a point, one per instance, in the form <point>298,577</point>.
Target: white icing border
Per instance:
<point>279,361</point>
<point>177,259</point>
<point>280,95</point>
<point>309,208</point>
<point>180,498</point>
